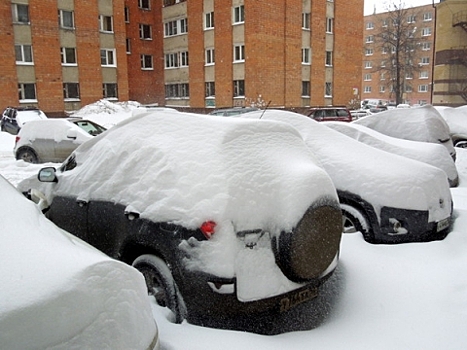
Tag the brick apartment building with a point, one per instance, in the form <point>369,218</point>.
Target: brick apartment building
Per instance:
<point>418,83</point>
<point>64,54</point>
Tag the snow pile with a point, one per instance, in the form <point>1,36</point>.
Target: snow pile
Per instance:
<point>426,152</point>
<point>59,292</point>
<point>418,124</point>
<point>381,178</point>
<point>456,118</point>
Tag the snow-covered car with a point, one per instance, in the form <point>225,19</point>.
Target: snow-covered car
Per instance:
<point>430,153</point>
<point>387,197</point>
<point>13,118</point>
<point>229,112</point>
<point>456,118</point>
<point>226,218</point>
<point>53,140</point>
<point>58,292</point>
<point>417,124</point>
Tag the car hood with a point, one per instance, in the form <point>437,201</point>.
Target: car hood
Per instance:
<point>381,178</point>
<point>187,168</point>
<point>58,291</point>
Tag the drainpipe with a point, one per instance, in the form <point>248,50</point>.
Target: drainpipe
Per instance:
<point>434,55</point>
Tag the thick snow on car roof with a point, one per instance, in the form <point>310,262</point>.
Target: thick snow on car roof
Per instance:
<point>419,124</point>
<point>25,116</point>
<point>188,168</point>
<point>456,118</point>
<point>52,129</point>
<point>381,178</point>
<point>59,292</point>
<point>427,152</point>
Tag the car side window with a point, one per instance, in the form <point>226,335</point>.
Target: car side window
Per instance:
<point>330,113</point>
<point>342,113</point>
<point>69,164</point>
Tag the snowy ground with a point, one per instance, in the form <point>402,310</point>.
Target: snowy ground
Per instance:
<point>411,296</point>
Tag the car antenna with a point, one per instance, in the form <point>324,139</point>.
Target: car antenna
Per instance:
<point>264,110</point>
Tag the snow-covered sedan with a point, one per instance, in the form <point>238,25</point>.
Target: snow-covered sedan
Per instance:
<point>58,292</point>
<point>456,118</point>
<point>387,197</point>
<point>423,124</point>
<point>226,218</point>
<point>427,152</point>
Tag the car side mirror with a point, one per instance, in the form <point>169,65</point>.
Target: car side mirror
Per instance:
<point>47,175</point>
<point>71,134</point>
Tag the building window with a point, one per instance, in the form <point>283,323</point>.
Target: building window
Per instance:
<point>306,55</point>
<point>66,19</point>
<point>23,54</point>
<point>68,55</point>
<point>427,16</point>
<point>239,14</point>
<point>177,91</point>
<point>105,24</point>
<point>127,14</point>
<point>184,59</point>
<point>370,39</point>
<point>370,25</point>
<point>423,74</point>
<point>171,60</point>
<point>20,13</point>
<point>209,20</point>
<point>367,77</point>
<point>329,25</point>
<point>382,88</point>
<point>423,88</point>
<point>128,45</point>
<point>306,89</point>
<point>425,60</point>
<point>145,32</point>
<point>146,62</point>
<point>368,52</point>
<point>384,24</point>
<point>411,19</point>
<point>367,89</point>
<point>71,91</point>
<point>426,31</point>
<point>426,46</point>
<point>382,76</point>
<point>108,57</point>
<point>383,63</point>
<point>209,53</point>
<point>239,88</point>
<point>239,53</point>
<point>144,4</point>
<point>173,28</point>
<point>27,92</point>
<point>210,89</point>
<point>172,2</point>
<point>328,90</point>
<point>306,20</point>
<point>328,61</point>
<point>110,90</point>
<point>368,64</point>
<point>408,88</point>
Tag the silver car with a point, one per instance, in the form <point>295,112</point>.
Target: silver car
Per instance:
<point>53,140</point>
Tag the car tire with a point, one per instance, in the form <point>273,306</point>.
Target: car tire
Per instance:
<point>28,155</point>
<point>354,221</point>
<point>161,285</point>
<point>461,144</point>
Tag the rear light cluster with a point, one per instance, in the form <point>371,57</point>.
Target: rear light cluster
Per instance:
<point>17,139</point>
<point>208,228</point>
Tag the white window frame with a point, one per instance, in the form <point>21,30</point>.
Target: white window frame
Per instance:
<point>104,22</point>
<point>329,25</point>
<point>370,26</point>
<point>239,88</point>
<point>209,89</point>
<point>411,19</point>
<point>423,74</point>
<point>427,17</point>
<point>105,91</point>
<point>64,53</point>
<point>382,88</point>
<point>184,59</point>
<point>171,60</point>
<point>210,57</point>
<point>22,91</point>
<point>145,29</point>
<point>127,14</point>
<point>239,53</point>
<point>67,91</point>
<point>306,55</point>
<point>367,89</point>
<point>209,21</point>
<point>370,39</point>
<point>306,20</point>
<point>328,89</point>
<point>328,59</point>
<point>144,4</point>
<point>110,58</point>
<point>175,27</point>
<point>426,46</point>
<point>423,88</point>
<point>238,14</point>
<point>368,65</point>
<point>306,88</point>
<point>425,61</point>
<point>20,18</point>
<point>367,77</point>
<point>24,51</point>
<point>426,31</point>
<point>147,62</point>
<point>62,17</point>
<point>368,52</point>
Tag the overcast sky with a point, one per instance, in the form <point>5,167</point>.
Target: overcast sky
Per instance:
<point>381,5</point>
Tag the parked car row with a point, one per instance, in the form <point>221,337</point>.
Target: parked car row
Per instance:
<point>248,221</point>
<point>13,118</point>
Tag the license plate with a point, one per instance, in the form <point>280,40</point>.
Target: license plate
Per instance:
<point>297,298</point>
<point>443,224</point>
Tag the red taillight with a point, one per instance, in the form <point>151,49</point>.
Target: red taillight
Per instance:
<point>208,228</point>
<point>16,139</point>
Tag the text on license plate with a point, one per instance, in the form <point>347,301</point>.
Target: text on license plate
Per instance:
<point>443,224</point>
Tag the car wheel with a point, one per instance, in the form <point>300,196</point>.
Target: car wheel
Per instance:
<point>354,221</point>
<point>28,155</point>
<point>461,144</point>
<point>161,285</point>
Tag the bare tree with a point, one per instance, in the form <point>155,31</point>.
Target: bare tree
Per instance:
<point>401,43</point>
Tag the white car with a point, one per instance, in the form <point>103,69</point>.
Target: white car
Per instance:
<point>456,118</point>
<point>417,124</point>
<point>387,197</point>
<point>426,152</point>
<point>58,292</point>
<point>228,219</point>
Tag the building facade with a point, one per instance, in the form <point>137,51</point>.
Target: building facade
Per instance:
<point>450,71</point>
<point>64,54</point>
<point>417,85</point>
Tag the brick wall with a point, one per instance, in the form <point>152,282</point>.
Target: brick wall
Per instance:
<point>8,80</point>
